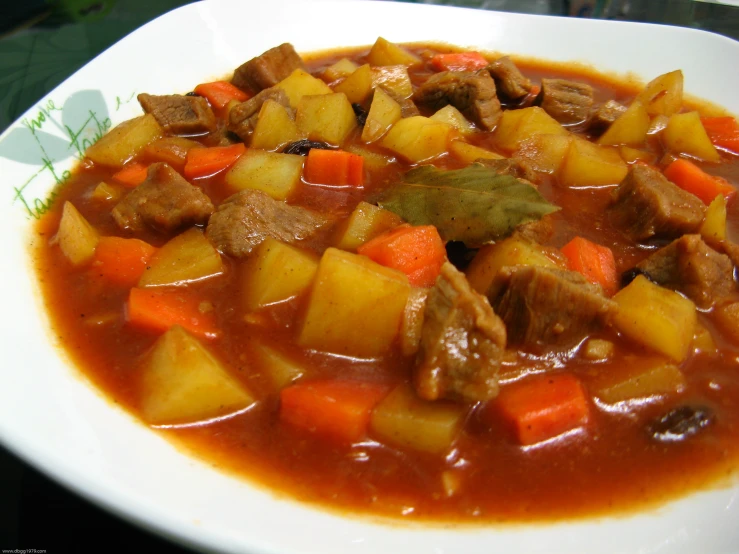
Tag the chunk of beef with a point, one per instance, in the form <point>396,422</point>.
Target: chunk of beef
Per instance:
<point>731,250</point>
<point>605,115</point>
<point>411,326</point>
<point>245,219</point>
<point>646,204</point>
<point>539,231</point>
<point>544,307</point>
<point>473,94</point>
<point>517,167</point>
<point>243,118</point>
<point>180,115</point>
<point>692,267</point>
<point>165,201</point>
<point>509,80</point>
<point>462,342</point>
<point>268,69</point>
<point>568,102</point>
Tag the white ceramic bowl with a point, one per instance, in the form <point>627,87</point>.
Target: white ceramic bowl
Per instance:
<point>52,418</point>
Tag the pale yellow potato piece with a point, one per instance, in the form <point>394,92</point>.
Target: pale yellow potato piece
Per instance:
<point>275,127</point>
<point>656,317</point>
<point>182,382</point>
<point>588,164</point>
<point>714,223</point>
<point>301,83</point>
<point>343,68</point>
<point>394,79</point>
<point>468,153</point>
<point>276,174</point>
<point>280,369</point>
<point>685,134</point>
<point>124,141</point>
<point>633,155</point>
<point>105,192</point>
<point>545,153</point>
<point>365,223</point>
<point>703,340</point>
<point>76,237</point>
<point>637,378</point>
<point>417,138</point>
<point>384,52</point>
<point>326,118</point>
<point>516,126</point>
<point>664,94</point>
<point>383,113</point>
<point>355,306</point>
<point>629,129</point>
<point>275,271</point>
<point>452,116</point>
<point>358,85</point>
<point>372,160</point>
<point>186,258</point>
<point>404,419</point>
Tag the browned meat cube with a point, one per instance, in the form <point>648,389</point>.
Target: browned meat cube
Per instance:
<point>730,249</point>
<point>165,201</point>
<point>243,118</point>
<point>518,168</point>
<point>462,342</point>
<point>411,326</point>
<point>605,115</point>
<point>568,102</point>
<point>539,231</point>
<point>473,94</point>
<point>510,81</point>
<point>268,69</point>
<point>245,219</point>
<point>692,267</point>
<point>544,307</point>
<point>646,204</point>
<point>180,115</point>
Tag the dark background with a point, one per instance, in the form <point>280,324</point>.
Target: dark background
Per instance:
<point>42,42</point>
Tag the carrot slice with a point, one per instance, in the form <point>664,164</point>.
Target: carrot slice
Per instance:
<point>723,132</point>
<point>131,175</point>
<point>158,310</point>
<point>459,61</point>
<point>122,261</point>
<point>338,410</point>
<point>693,179</point>
<point>205,162</point>
<point>596,262</point>
<point>334,167</point>
<point>416,251</point>
<point>220,93</point>
<point>542,407</point>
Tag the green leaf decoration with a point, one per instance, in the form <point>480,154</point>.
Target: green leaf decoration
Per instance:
<point>474,205</point>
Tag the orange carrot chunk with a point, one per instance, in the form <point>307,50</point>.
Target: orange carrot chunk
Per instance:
<point>416,251</point>
<point>131,175</point>
<point>122,261</point>
<point>693,179</point>
<point>220,93</point>
<point>459,61</point>
<point>338,410</point>
<point>596,262</point>
<point>157,310</point>
<point>334,167</point>
<point>723,132</point>
<point>205,162</point>
<point>542,407</point>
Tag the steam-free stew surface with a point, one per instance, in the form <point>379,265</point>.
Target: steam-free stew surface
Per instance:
<point>609,459</point>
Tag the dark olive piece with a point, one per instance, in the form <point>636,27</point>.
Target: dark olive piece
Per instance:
<point>631,274</point>
<point>459,255</point>
<point>191,93</point>
<point>680,423</point>
<point>361,114</point>
<point>302,147</point>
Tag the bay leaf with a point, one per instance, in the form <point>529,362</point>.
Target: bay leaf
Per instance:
<point>474,205</point>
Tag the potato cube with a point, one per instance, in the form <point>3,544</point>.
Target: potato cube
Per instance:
<point>384,52</point>
<point>394,79</point>
<point>183,382</point>
<point>404,419</point>
<point>598,349</point>
<point>124,141</point>
<point>417,138</point>
<point>276,174</point>
<point>365,223</point>
<point>663,95</point>
<point>358,85</point>
<point>372,160</point>
<point>76,237</point>
<point>713,227</point>
<point>105,192</point>
<point>545,153</point>
<point>383,113</point>
<point>343,68</point>
<point>301,83</point>
<point>355,306</point>
<point>656,317</point>
<point>515,126</point>
<point>274,272</point>
<point>186,258</point>
<point>587,164</point>
<point>280,369</point>
<point>326,118</point>
<point>468,153</point>
<point>637,378</point>
<point>452,116</point>
<point>633,155</point>
<point>630,128</point>
<point>275,127</point>
<point>685,134</point>
<point>703,340</point>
